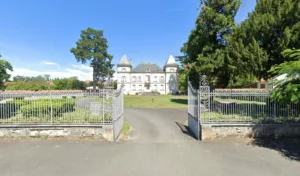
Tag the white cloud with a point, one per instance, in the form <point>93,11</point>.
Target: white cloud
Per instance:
<point>83,67</point>
<point>49,63</point>
<point>63,73</point>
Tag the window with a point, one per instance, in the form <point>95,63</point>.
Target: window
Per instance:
<point>134,79</point>
<point>155,87</point>
<point>123,70</point>
<point>133,87</point>
<point>148,70</point>
<point>140,87</point>
<point>155,78</point>
<point>123,79</point>
<point>147,78</point>
<point>161,79</point>
<point>140,78</point>
<point>162,88</point>
<point>172,70</point>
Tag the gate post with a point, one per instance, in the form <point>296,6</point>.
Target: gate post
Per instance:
<point>204,101</point>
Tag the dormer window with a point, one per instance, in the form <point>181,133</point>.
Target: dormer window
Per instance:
<point>148,70</point>
<point>123,70</point>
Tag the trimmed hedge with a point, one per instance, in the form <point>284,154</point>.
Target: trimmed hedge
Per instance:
<point>42,108</point>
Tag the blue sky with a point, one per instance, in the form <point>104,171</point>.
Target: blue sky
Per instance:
<point>36,36</point>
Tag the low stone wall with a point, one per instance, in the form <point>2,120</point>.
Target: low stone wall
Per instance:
<point>212,131</point>
<point>105,132</point>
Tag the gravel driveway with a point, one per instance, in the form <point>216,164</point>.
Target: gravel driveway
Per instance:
<point>157,146</point>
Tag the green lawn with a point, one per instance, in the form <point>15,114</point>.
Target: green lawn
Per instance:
<point>160,101</point>
<point>126,128</point>
<point>239,101</point>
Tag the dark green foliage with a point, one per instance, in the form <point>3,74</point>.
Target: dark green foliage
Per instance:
<point>92,48</point>
<point>288,90</point>
<point>4,76</point>
<point>40,78</point>
<point>115,84</point>
<point>43,83</point>
<point>236,56</point>
<point>30,85</point>
<point>205,49</point>
<point>275,26</point>
<point>42,107</point>
<point>68,84</point>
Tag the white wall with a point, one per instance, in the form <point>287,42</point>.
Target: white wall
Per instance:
<point>162,87</point>
<point>121,69</point>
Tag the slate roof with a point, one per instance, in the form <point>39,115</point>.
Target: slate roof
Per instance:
<point>124,62</point>
<point>171,62</point>
<point>147,68</point>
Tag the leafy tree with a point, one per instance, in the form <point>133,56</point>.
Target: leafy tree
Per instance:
<point>274,25</point>
<point>40,78</point>
<point>68,84</point>
<point>205,49</point>
<point>92,47</point>
<point>4,76</point>
<point>28,85</point>
<point>287,90</point>
<point>115,84</point>
<point>182,81</point>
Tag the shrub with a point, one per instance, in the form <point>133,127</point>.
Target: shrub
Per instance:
<point>18,98</point>
<point>42,108</point>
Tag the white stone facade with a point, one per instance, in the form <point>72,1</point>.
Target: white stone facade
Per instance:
<point>148,77</point>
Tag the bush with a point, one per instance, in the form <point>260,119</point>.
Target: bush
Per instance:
<point>42,108</point>
<point>18,98</point>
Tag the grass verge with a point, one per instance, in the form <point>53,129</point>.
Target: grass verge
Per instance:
<point>161,101</point>
<point>126,128</point>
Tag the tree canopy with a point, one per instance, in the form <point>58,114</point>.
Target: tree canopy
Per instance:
<point>204,50</point>
<point>92,48</point>
<point>237,55</point>
<point>4,76</point>
<point>287,90</point>
<point>43,82</point>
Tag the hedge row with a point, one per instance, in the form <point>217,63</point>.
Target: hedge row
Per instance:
<point>42,107</point>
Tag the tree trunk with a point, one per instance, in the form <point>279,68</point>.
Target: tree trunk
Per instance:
<point>94,80</point>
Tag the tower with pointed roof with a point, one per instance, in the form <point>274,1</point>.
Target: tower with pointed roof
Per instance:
<point>171,70</point>
<point>147,77</point>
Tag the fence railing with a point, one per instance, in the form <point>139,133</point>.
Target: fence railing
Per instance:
<point>19,108</point>
<point>239,106</point>
<point>249,107</point>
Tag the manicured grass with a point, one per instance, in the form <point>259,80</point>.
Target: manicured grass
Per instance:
<point>160,101</point>
<point>239,101</point>
<point>126,128</point>
<point>186,123</point>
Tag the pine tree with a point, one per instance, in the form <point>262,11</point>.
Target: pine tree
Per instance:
<point>205,49</point>
<point>275,26</point>
<point>92,47</point>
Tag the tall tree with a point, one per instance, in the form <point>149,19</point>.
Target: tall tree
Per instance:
<point>287,90</point>
<point>4,76</point>
<point>205,49</point>
<point>275,27</point>
<point>92,48</point>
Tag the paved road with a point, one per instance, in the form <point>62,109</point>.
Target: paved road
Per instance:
<point>157,146</point>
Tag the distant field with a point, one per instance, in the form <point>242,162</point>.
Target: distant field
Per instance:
<point>160,101</point>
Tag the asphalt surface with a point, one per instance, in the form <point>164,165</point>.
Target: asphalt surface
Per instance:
<point>157,145</point>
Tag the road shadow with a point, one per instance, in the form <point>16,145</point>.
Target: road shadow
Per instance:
<point>185,130</point>
<point>180,101</point>
<point>289,148</point>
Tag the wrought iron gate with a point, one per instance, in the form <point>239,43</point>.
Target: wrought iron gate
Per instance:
<point>198,105</point>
